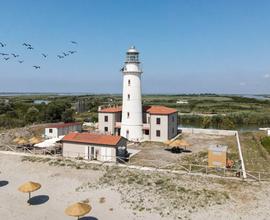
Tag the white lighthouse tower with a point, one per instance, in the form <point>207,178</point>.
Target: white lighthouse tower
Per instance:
<point>131,126</point>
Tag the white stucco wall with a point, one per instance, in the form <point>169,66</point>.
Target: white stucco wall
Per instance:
<point>101,153</point>
<point>54,133</point>
<point>110,123</point>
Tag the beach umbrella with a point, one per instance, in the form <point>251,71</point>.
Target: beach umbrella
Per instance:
<point>22,141</point>
<point>29,187</point>
<point>179,143</point>
<point>34,140</point>
<point>78,209</point>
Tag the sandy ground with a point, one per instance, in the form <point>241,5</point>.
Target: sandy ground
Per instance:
<point>154,154</point>
<point>60,184</point>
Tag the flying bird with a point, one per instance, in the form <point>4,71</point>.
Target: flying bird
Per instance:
<point>2,44</point>
<point>65,54</point>
<point>73,42</point>
<point>6,58</point>
<point>60,57</point>
<point>30,47</point>
<point>14,55</point>
<point>36,67</point>
<point>27,45</point>
<point>4,54</point>
<point>44,55</point>
<point>72,51</point>
<point>20,61</point>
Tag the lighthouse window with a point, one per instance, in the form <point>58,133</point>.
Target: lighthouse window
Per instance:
<point>106,118</point>
<point>129,82</point>
<point>128,96</point>
<point>106,129</point>
<point>158,133</point>
<point>128,115</point>
<point>158,121</point>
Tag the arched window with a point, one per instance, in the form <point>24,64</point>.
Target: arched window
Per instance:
<point>129,82</point>
<point>128,115</point>
<point>128,96</point>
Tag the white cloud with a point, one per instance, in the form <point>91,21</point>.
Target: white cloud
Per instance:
<point>266,76</point>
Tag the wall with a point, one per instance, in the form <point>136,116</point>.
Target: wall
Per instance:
<point>49,135</point>
<point>163,127</point>
<point>103,153</point>
<point>110,123</point>
<point>172,125</point>
<point>208,131</point>
<point>68,129</point>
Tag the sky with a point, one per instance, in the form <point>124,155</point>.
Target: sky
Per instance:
<point>198,46</point>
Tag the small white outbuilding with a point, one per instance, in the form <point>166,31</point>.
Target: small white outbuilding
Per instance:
<point>92,146</point>
<point>56,130</point>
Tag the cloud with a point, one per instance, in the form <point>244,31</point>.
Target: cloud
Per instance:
<point>266,76</point>
<point>242,83</point>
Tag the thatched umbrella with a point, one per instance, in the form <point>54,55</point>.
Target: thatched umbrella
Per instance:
<point>78,209</point>
<point>29,187</point>
<point>179,143</point>
<point>34,140</point>
<point>22,141</point>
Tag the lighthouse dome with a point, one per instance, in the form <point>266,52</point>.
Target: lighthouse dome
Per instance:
<point>132,49</point>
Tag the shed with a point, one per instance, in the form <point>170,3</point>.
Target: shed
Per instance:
<point>91,146</point>
<point>59,129</point>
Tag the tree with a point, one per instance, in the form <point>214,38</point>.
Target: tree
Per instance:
<point>32,115</point>
<point>67,115</point>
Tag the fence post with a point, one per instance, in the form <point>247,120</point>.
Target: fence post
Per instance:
<point>190,168</point>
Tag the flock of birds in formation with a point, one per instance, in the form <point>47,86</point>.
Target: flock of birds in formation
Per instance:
<point>7,56</point>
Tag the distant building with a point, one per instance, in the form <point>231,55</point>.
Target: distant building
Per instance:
<point>182,102</point>
<point>81,106</point>
<point>92,146</point>
<point>159,122</point>
<point>217,156</point>
<point>133,121</point>
<point>60,129</point>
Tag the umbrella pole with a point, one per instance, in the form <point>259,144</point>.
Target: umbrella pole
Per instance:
<point>29,197</point>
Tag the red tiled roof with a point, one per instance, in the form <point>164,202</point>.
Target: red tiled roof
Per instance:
<point>159,110</point>
<point>91,138</point>
<point>62,125</point>
<point>154,109</point>
<point>111,109</point>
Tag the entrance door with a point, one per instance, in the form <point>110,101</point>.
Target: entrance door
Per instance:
<point>92,152</point>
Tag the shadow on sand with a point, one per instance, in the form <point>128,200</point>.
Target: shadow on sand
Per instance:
<point>38,200</point>
<point>3,183</point>
<point>88,218</point>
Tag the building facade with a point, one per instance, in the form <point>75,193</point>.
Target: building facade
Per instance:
<point>159,123</point>
<point>60,129</point>
<point>92,146</point>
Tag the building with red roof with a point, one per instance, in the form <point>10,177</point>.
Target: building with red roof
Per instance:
<point>91,146</point>
<point>159,122</point>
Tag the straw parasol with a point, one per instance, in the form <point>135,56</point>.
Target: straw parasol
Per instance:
<point>34,140</point>
<point>29,187</point>
<point>22,141</point>
<point>179,143</point>
<point>78,209</point>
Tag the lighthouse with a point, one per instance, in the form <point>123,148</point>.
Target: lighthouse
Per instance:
<point>131,124</point>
